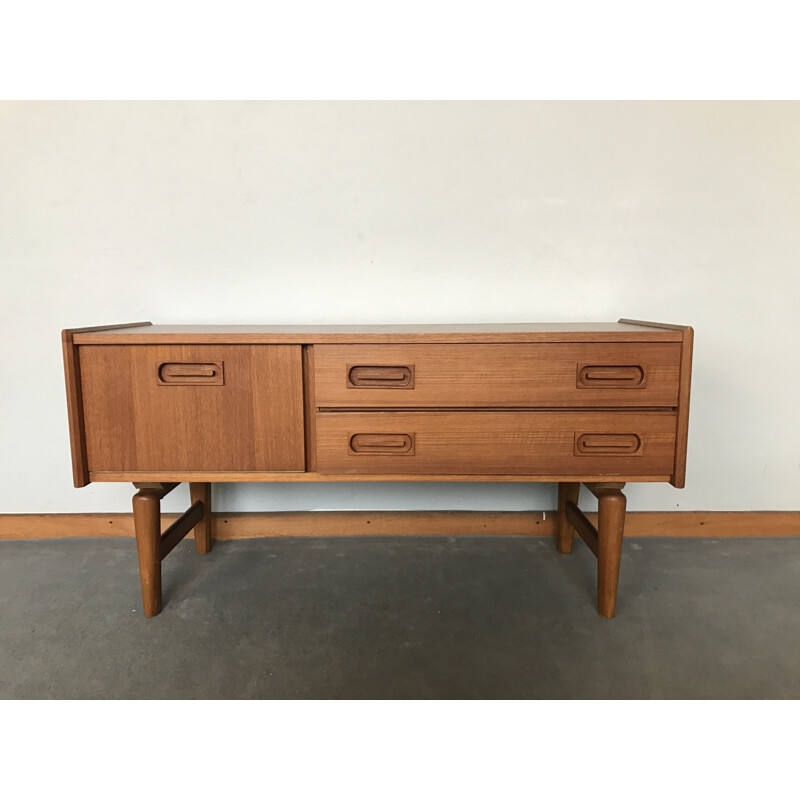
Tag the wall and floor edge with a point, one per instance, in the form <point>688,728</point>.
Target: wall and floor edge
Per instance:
<point>684,524</point>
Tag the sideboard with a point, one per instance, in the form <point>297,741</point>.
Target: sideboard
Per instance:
<point>599,404</point>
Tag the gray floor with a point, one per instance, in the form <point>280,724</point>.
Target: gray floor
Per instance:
<point>410,617</point>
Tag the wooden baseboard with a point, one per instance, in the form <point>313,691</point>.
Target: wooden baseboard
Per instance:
<point>406,523</point>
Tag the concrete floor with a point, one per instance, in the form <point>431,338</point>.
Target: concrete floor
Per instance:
<point>401,617</point>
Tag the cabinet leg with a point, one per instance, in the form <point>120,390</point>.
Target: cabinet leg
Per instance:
<point>203,533</point>
<point>610,525</point>
<point>147,523</point>
<point>567,492</point>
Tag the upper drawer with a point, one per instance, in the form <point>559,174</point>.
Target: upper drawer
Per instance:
<point>496,375</point>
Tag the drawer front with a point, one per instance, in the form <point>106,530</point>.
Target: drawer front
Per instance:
<point>193,407</point>
<point>495,443</point>
<point>497,375</point>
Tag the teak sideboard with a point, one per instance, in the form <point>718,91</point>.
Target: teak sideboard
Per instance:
<point>596,403</point>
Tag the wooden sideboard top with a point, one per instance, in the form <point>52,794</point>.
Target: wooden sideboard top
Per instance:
<point>147,333</point>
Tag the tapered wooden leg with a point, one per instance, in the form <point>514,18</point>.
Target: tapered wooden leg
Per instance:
<point>567,492</point>
<point>147,523</point>
<point>610,525</point>
<point>202,530</point>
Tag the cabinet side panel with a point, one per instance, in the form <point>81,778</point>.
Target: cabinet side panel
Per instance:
<point>682,431</point>
<point>77,434</point>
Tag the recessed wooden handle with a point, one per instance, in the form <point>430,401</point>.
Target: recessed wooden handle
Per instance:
<point>189,373</point>
<point>607,444</point>
<point>382,443</point>
<point>607,376</point>
<point>361,376</point>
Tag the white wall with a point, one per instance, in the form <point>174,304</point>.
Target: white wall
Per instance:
<point>409,212</point>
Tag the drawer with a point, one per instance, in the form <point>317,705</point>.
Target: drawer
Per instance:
<point>580,375</point>
<point>193,407</point>
<point>495,443</point>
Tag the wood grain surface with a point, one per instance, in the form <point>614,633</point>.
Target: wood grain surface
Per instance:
<point>72,375</point>
<point>330,334</point>
<point>254,421</point>
<point>317,477</point>
<point>682,426</point>
<point>455,442</point>
<point>499,375</point>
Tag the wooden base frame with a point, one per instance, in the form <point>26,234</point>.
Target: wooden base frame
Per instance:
<point>605,540</point>
<point>153,546</point>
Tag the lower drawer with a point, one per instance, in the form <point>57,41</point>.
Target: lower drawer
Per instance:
<point>495,443</point>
